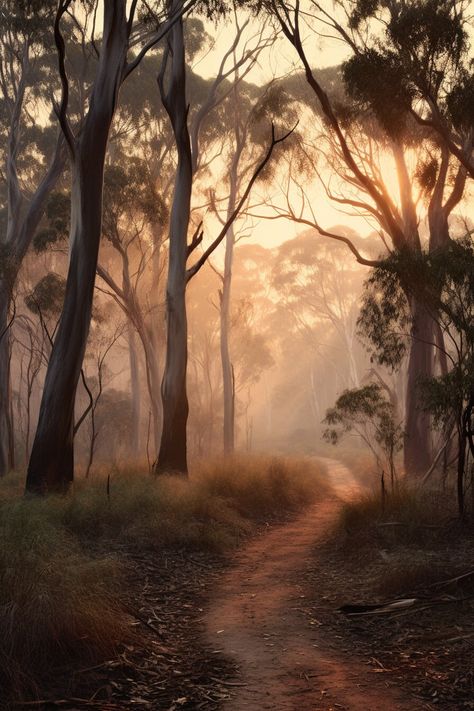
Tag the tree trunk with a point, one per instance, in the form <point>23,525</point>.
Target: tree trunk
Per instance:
<point>51,463</point>
<point>135,391</point>
<point>172,457</point>
<point>417,450</point>
<point>6,453</point>
<point>227,374</point>
<point>153,374</point>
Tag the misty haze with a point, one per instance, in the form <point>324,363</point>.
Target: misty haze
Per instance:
<point>236,355</point>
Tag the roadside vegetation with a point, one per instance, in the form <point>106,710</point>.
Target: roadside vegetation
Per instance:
<point>399,567</point>
<point>62,587</point>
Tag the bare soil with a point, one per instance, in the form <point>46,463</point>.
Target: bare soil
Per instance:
<point>258,618</point>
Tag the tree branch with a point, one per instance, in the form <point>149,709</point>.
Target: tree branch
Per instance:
<point>192,271</point>
<point>61,110</point>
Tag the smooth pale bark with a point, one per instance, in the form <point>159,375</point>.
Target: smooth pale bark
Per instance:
<point>172,457</point>
<point>51,463</point>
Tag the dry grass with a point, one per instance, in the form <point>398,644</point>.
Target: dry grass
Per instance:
<point>213,509</point>
<point>404,541</point>
<point>60,601</point>
<point>56,601</point>
<point>407,516</point>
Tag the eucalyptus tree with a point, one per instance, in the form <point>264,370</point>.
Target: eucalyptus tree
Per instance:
<point>136,212</point>
<point>248,111</point>
<point>52,460</point>
<point>320,286</point>
<point>426,60</point>
<point>27,146</point>
<point>172,456</point>
<point>132,211</point>
<point>375,112</point>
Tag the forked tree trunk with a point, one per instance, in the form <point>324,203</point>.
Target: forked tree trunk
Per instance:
<point>51,463</point>
<point>172,457</point>
<point>417,449</point>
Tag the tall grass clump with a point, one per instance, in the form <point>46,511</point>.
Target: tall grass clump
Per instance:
<point>57,603</point>
<point>220,502</point>
<point>408,516</point>
<point>261,487</point>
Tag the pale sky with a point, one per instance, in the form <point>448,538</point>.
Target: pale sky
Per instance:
<point>279,60</point>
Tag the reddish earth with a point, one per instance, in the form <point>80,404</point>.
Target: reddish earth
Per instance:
<point>286,662</point>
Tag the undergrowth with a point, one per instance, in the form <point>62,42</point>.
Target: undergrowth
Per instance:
<point>406,516</point>
<point>405,540</point>
<point>60,598</point>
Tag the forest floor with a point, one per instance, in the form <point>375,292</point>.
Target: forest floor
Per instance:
<point>260,618</point>
<point>259,629</point>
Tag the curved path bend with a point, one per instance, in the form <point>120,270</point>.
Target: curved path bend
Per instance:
<point>255,619</point>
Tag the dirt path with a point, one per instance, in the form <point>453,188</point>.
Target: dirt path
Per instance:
<point>285,662</point>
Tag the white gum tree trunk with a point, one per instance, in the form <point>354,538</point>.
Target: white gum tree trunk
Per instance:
<point>172,456</point>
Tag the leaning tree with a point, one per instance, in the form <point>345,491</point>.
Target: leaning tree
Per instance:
<point>375,110</point>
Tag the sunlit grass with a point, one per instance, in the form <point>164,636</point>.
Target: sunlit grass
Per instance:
<point>220,502</point>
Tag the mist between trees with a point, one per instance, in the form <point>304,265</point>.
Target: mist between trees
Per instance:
<point>149,313</point>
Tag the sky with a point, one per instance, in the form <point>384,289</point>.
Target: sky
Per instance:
<point>277,61</point>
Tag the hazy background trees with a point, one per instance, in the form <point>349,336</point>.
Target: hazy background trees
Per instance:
<point>216,265</point>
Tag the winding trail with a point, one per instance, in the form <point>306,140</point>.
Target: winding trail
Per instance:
<point>255,619</point>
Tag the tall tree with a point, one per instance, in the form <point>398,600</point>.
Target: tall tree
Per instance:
<point>51,463</point>
<point>371,85</point>
<point>25,35</point>
<point>172,456</point>
<point>249,109</point>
